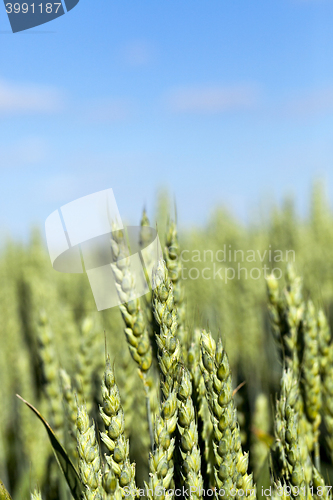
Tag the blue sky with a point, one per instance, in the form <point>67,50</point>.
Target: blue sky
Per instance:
<point>222,101</point>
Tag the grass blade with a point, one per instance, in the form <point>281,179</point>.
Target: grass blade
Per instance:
<point>68,469</point>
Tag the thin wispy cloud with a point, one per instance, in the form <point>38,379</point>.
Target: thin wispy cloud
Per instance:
<point>25,152</point>
<point>309,2</point>
<point>107,110</point>
<point>212,99</point>
<point>19,98</point>
<point>137,53</point>
<point>59,187</point>
<point>314,103</point>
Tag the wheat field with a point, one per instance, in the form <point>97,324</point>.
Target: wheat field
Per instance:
<point>217,383</point>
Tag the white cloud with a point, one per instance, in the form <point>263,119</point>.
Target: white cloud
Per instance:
<point>18,99</point>
<point>212,99</point>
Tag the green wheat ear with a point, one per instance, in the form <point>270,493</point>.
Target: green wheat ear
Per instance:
<point>161,465</point>
<point>147,299</point>
<point>286,312</point>
<point>326,349</point>
<point>199,394</point>
<point>189,441</point>
<point>50,369</point>
<point>110,486</point>
<point>70,411</point>
<point>86,361</point>
<point>89,455</point>
<point>136,329</point>
<point>174,266</point>
<point>169,349</point>
<point>286,464</point>
<point>230,465</point>
<point>148,310</point>
<point>311,385</point>
<point>114,438</point>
